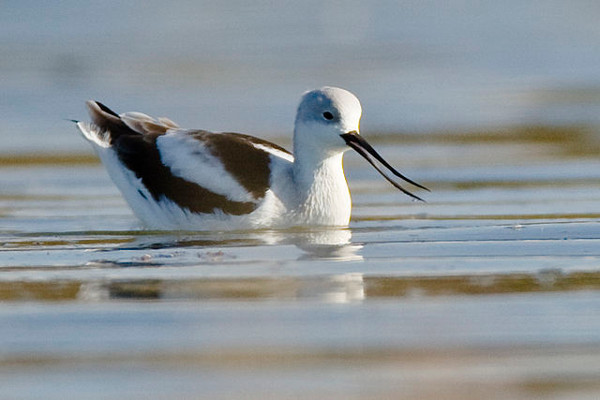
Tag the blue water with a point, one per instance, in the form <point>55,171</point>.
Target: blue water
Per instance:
<point>416,66</point>
<point>488,290</point>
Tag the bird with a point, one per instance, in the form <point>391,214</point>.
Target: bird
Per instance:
<point>195,180</point>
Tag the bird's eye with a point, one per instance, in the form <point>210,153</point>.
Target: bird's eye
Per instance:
<point>328,116</point>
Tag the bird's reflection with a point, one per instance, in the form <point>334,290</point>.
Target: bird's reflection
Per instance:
<point>327,243</point>
<point>338,288</point>
<point>309,278</point>
<point>315,243</point>
<point>341,288</point>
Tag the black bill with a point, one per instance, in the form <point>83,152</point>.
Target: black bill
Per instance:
<point>362,147</point>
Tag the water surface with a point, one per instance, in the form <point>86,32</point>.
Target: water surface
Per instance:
<point>489,290</point>
<point>492,284</point>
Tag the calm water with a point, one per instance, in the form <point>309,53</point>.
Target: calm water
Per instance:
<point>490,290</point>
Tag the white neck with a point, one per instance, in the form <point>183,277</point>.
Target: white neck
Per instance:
<point>323,195</point>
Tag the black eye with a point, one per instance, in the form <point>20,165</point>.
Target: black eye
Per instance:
<point>328,116</point>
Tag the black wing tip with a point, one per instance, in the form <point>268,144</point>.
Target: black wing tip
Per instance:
<point>107,120</point>
<point>104,108</point>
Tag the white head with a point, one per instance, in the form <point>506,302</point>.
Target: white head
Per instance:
<point>327,124</point>
<point>323,115</point>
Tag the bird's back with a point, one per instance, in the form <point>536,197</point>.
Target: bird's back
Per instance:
<point>172,177</point>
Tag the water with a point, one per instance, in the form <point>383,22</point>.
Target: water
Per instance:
<point>491,289</point>
<point>493,283</point>
<point>416,66</point>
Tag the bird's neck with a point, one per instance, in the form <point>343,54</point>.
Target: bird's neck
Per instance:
<point>322,190</point>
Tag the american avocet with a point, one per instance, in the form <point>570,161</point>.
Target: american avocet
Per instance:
<point>176,178</point>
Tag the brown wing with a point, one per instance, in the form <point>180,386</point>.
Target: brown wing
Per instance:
<point>134,138</point>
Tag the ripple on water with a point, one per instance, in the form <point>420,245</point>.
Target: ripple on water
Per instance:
<point>496,276</point>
